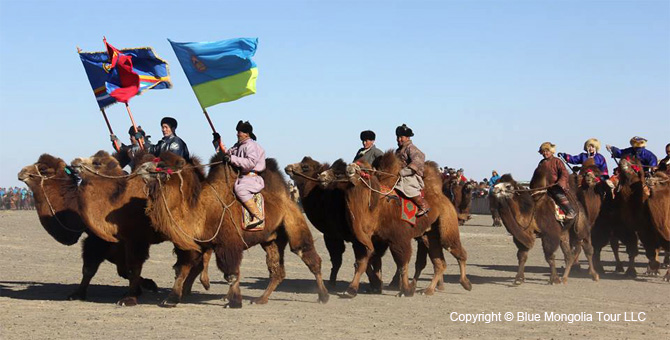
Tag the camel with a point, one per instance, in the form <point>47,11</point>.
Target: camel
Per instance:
<point>460,194</point>
<point>112,204</point>
<point>374,219</point>
<point>526,213</point>
<point>198,213</point>
<point>658,205</point>
<point>55,190</point>
<point>325,208</point>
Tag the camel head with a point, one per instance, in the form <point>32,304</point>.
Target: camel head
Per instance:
<point>307,167</point>
<point>161,167</point>
<point>336,176</point>
<point>505,188</point>
<point>631,169</point>
<point>46,166</point>
<point>659,181</point>
<point>100,163</point>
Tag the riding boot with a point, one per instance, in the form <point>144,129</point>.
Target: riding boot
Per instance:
<point>253,209</point>
<point>564,203</point>
<point>424,208</point>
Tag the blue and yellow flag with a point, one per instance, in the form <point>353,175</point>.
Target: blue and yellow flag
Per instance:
<point>219,71</point>
<point>153,72</point>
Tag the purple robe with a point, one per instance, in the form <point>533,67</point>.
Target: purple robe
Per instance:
<point>249,157</point>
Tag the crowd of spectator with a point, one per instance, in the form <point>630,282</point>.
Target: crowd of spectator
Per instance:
<point>481,188</point>
<point>15,198</point>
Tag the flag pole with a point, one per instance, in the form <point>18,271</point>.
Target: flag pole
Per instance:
<point>204,110</point>
<point>140,141</point>
<point>116,141</point>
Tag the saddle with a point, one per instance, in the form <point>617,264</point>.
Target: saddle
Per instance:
<point>408,208</point>
<point>247,217</point>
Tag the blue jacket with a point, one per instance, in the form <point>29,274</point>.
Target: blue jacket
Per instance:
<point>601,163</point>
<point>645,156</point>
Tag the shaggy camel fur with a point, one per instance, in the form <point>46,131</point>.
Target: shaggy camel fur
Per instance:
<point>526,214</point>
<point>205,214</point>
<point>112,205</point>
<point>375,221</point>
<point>632,216</point>
<point>56,204</point>
<point>325,208</point>
<point>658,204</point>
<point>460,194</point>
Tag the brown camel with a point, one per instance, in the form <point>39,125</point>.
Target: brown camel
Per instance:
<point>527,213</point>
<point>658,205</point>
<point>374,218</point>
<point>460,194</point>
<point>325,208</point>
<point>55,190</point>
<point>632,216</point>
<point>205,214</point>
<point>112,204</point>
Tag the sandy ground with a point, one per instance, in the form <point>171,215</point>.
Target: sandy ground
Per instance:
<point>37,273</point>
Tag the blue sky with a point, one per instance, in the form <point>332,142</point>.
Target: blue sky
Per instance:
<point>481,83</point>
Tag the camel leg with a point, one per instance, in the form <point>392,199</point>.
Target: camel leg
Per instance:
<point>93,254</point>
<point>666,260</point>
<point>654,265</point>
<point>335,248</point>
<point>228,260</point>
<point>204,275</point>
<point>439,264</point>
<point>186,260</point>
<point>402,252</point>
<point>421,256</point>
<point>522,257</point>
<point>631,249</point>
<point>374,272</point>
<point>198,266</point>
<point>614,243</point>
<point>276,269</point>
<point>362,254</point>
<point>568,246</point>
<point>588,252</point>
<point>136,254</point>
<point>459,253</point>
<point>549,246</point>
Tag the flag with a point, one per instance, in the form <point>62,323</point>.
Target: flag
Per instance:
<point>128,81</point>
<point>152,70</point>
<point>219,71</point>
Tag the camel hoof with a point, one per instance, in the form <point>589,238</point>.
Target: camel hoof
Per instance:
<point>205,283</point>
<point>555,280</point>
<point>150,285</point>
<point>631,273</point>
<point>77,296</point>
<point>652,272</point>
<point>467,285</point>
<point>233,304</point>
<point>374,290</point>
<point>427,291</point>
<point>595,277</point>
<point>519,280</point>
<point>619,268</point>
<point>260,300</point>
<point>440,286</point>
<point>128,301</point>
<point>350,293</point>
<point>323,297</point>
<point>170,302</point>
<point>401,294</point>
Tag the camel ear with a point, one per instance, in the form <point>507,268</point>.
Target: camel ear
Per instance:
<point>181,163</point>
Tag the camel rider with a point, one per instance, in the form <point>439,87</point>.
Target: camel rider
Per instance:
<point>369,152</point>
<point>170,141</point>
<point>413,160</point>
<point>664,164</point>
<point>249,157</point>
<point>127,152</point>
<point>637,149</point>
<point>591,146</point>
<point>559,177</point>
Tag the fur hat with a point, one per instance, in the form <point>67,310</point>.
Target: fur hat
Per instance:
<point>592,141</point>
<point>246,127</point>
<point>638,142</point>
<point>171,122</point>
<point>547,146</point>
<point>367,135</point>
<point>403,130</point>
<point>131,131</point>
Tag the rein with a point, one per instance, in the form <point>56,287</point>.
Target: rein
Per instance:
<point>53,212</point>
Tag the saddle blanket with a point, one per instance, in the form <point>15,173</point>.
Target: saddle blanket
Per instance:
<point>247,217</point>
<point>408,208</point>
<point>560,215</point>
